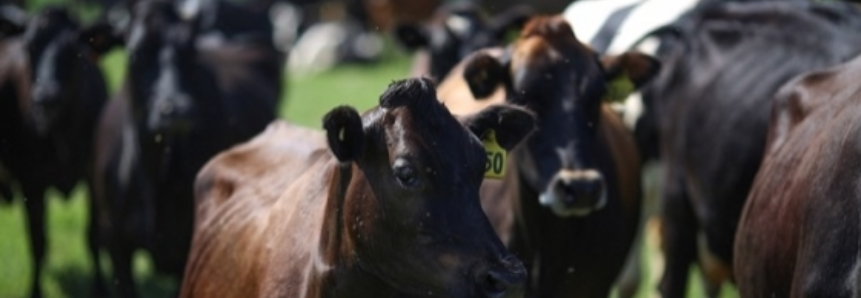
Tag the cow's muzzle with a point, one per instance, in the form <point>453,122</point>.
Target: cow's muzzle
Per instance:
<point>575,193</point>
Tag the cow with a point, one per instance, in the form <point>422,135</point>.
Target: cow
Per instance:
<point>798,234</point>
<point>455,31</point>
<point>541,6</point>
<point>709,110</point>
<point>382,204</point>
<point>572,189</point>
<point>189,94</point>
<point>51,92</point>
<point>13,20</point>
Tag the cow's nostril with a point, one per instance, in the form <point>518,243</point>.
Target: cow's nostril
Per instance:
<point>494,284</point>
<point>503,280</point>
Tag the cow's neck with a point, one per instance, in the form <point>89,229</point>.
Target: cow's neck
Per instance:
<point>339,275</point>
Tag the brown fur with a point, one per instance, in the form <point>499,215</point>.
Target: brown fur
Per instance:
<point>390,208</point>
<point>798,234</point>
<point>256,169</point>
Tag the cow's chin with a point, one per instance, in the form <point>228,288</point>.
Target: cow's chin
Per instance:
<point>443,283</point>
<point>554,201</point>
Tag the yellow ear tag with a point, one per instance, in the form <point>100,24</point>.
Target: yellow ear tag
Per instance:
<point>619,88</point>
<point>494,167</point>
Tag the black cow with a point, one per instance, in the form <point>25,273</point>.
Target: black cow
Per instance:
<point>573,188</point>
<point>13,19</point>
<point>189,94</point>
<point>51,93</point>
<point>710,110</point>
<point>455,31</point>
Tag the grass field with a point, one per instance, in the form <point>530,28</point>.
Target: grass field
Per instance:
<point>307,98</point>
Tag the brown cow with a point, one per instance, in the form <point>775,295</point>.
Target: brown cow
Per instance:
<point>391,211</point>
<point>800,229</point>
<point>571,194</point>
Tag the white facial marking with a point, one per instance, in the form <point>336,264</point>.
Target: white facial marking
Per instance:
<point>459,25</point>
<point>551,197</point>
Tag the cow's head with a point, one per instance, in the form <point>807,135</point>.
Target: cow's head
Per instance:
<point>550,72</point>
<point>12,20</point>
<point>59,52</point>
<point>163,71</point>
<point>456,31</point>
<point>412,209</point>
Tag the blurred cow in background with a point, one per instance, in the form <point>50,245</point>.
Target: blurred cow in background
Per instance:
<point>196,84</point>
<point>454,32</point>
<point>709,111</point>
<point>51,93</point>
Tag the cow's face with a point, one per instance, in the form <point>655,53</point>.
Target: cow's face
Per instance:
<point>412,208</point>
<point>162,67</point>
<point>457,31</point>
<point>57,50</point>
<point>549,71</point>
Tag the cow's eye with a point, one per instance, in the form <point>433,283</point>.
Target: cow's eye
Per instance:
<point>405,173</point>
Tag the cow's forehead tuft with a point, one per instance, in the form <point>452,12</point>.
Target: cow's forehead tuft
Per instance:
<point>547,26</point>
<point>418,95</point>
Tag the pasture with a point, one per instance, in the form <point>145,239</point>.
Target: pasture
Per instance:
<point>306,99</point>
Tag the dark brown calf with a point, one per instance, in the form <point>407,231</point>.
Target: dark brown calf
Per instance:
<point>800,229</point>
<point>573,188</point>
<point>51,92</point>
<point>389,209</point>
<point>196,86</point>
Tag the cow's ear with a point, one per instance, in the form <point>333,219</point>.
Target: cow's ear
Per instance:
<point>510,123</point>
<point>512,18</point>
<point>344,132</point>
<point>483,73</point>
<point>412,36</point>
<point>100,37</point>
<point>13,20</point>
<point>637,67</point>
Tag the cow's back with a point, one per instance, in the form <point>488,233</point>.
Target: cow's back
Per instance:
<point>254,234</point>
<point>798,235</point>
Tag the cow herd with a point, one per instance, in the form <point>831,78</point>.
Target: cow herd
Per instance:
<point>510,163</point>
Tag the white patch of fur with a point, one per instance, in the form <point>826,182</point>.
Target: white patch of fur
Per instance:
<point>459,25</point>
<point>587,17</point>
<point>550,198</point>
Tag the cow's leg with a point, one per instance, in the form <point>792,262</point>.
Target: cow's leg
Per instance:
<point>715,271</point>
<point>679,232</point>
<point>629,280</point>
<point>121,259</point>
<point>34,202</point>
<point>93,243</point>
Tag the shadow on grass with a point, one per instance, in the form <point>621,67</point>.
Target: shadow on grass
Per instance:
<point>77,282</point>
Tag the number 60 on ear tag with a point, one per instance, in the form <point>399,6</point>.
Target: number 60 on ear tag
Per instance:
<point>496,157</point>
